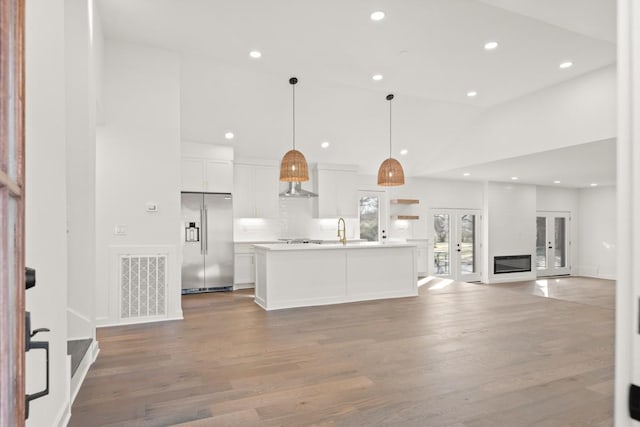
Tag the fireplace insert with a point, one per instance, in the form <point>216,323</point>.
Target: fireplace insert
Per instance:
<point>511,264</point>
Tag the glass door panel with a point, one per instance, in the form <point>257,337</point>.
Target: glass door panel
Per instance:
<point>468,245</point>
<point>441,238</point>
<point>559,247</point>
<point>370,218</point>
<point>372,214</point>
<point>541,243</point>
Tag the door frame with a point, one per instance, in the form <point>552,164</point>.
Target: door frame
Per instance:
<point>455,216</point>
<point>550,243</point>
<point>12,179</point>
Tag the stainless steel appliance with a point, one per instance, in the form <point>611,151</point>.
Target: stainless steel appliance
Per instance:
<point>207,242</point>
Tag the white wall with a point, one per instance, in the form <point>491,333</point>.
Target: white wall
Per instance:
<point>597,230</point>
<point>46,205</point>
<point>138,161</point>
<point>554,199</point>
<point>433,194</point>
<point>510,227</point>
<point>575,112</point>
<point>81,164</point>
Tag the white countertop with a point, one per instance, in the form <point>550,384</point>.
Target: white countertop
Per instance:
<point>332,246</point>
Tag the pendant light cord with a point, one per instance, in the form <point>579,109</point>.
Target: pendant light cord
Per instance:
<point>390,128</point>
<point>293,86</point>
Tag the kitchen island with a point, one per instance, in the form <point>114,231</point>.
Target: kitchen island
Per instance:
<point>300,275</point>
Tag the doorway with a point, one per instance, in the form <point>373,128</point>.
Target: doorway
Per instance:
<point>372,214</point>
<point>456,244</point>
<point>552,243</point>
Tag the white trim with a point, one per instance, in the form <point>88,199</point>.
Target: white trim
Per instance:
<point>137,321</point>
<point>81,316</point>
<point>87,360</point>
<point>239,286</point>
<point>628,127</point>
<point>64,414</point>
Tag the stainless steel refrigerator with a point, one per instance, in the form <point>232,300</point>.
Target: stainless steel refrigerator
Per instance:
<point>207,242</point>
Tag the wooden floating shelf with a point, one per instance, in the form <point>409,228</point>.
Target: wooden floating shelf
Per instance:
<point>410,217</point>
<point>405,201</point>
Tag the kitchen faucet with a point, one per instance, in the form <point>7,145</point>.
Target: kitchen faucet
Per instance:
<point>343,235</point>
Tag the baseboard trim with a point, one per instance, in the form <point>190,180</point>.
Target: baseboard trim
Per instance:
<point>88,360</point>
<point>140,321</point>
<point>64,414</point>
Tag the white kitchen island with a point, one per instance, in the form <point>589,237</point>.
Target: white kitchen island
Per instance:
<point>300,275</point>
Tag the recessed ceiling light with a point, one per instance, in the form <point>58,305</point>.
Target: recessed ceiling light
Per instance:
<point>404,151</point>
<point>593,184</point>
<point>229,135</point>
<point>325,144</point>
<point>490,45</point>
<point>377,77</point>
<point>565,65</point>
<point>255,54</point>
<point>377,15</point>
<point>472,93</point>
<point>556,182</point>
<point>514,178</point>
<point>466,174</point>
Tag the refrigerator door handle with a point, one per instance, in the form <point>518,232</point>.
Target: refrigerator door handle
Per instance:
<point>205,233</point>
<point>202,232</point>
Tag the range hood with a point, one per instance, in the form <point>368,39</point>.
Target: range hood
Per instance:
<point>295,190</point>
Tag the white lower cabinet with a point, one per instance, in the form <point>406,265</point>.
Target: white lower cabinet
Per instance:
<point>422,255</point>
<point>244,270</point>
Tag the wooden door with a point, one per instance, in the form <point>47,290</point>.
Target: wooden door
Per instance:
<point>12,340</point>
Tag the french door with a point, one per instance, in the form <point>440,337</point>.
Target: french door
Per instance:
<point>456,244</point>
<point>552,243</point>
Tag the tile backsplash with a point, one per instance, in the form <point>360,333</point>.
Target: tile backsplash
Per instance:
<point>296,220</point>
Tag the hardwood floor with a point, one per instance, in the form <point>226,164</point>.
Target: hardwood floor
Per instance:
<point>459,355</point>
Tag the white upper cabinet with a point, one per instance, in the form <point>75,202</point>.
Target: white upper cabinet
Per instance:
<point>255,190</point>
<point>218,176</point>
<point>206,168</point>
<point>337,192</point>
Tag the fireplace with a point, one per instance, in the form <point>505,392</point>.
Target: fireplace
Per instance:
<point>511,264</point>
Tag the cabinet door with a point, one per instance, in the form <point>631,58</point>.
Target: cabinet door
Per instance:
<point>244,192</point>
<point>191,175</point>
<point>422,255</point>
<point>244,269</point>
<point>337,196</point>
<point>219,176</point>
<point>266,191</point>
<point>346,199</point>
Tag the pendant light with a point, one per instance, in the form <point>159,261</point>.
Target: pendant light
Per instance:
<point>293,167</point>
<point>390,172</point>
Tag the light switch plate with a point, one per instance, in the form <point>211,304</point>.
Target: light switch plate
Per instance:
<point>152,207</point>
<point>120,230</point>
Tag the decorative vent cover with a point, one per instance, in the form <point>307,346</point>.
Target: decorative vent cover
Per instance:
<point>142,285</point>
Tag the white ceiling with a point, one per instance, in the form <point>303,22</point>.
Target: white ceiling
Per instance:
<point>429,51</point>
<point>578,167</point>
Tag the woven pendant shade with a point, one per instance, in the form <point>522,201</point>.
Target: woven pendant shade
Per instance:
<point>293,167</point>
<point>390,173</point>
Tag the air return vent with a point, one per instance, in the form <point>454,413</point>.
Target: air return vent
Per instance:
<point>143,286</point>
